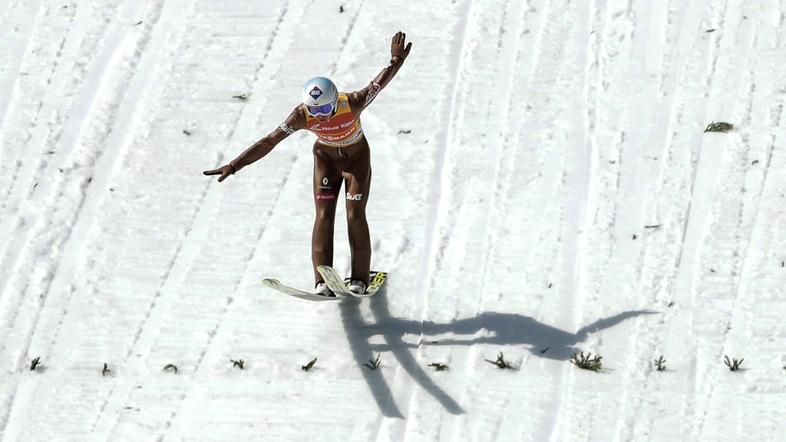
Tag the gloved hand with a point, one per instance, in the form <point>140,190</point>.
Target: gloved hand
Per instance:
<point>224,171</point>
<point>397,48</point>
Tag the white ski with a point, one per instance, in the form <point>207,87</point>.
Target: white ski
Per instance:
<point>291,291</point>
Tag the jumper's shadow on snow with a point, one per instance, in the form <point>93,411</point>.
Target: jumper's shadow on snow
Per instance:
<point>493,328</point>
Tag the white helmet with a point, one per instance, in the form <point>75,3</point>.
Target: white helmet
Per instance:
<point>320,96</point>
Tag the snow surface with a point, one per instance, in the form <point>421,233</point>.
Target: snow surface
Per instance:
<point>556,194</point>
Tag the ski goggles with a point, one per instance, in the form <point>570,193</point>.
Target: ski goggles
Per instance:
<point>325,109</point>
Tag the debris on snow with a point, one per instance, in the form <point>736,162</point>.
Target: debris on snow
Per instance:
<point>373,364</point>
<point>587,362</point>
<point>310,365</point>
<point>170,368</point>
<point>241,364</point>
<point>35,364</point>
<point>438,366</point>
<point>720,126</point>
<point>106,371</point>
<point>733,364</point>
<point>660,364</point>
<point>501,362</point>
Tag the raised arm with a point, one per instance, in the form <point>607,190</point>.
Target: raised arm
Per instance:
<point>399,51</point>
<point>295,121</point>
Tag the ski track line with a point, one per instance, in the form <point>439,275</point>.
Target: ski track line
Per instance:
<point>428,279</point>
<point>616,211</point>
<point>509,54</point>
<point>534,56</point>
<point>613,29</point>
<point>37,199</point>
<point>702,177</point>
<point>508,141</point>
<point>73,243</point>
<point>741,242</point>
<point>204,221</point>
<point>84,219</point>
<point>533,59</point>
<point>21,179</point>
<point>12,97</point>
<point>43,223</point>
<point>62,138</point>
<point>630,184</point>
<point>55,194</point>
<point>576,215</point>
<point>438,178</point>
<point>172,18</point>
<point>643,328</point>
<point>652,339</point>
<point>506,56</point>
<point>345,38</point>
<point>174,277</point>
<point>736,316</point>
<point>632,365</point>
<point>4,244</point>
<point>472,20</point>
<point>451,203</point>
<point>119,142</point>
<point>677,94</point>
<point>9,89</point>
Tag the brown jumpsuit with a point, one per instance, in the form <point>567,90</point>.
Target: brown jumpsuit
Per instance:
<point>352,164</point>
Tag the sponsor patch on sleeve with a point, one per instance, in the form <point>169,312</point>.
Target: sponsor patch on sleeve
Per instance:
<point>286,128</point>
<point>373,90</point>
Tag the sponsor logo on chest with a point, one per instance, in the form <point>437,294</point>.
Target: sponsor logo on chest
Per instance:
<point>337,123</point>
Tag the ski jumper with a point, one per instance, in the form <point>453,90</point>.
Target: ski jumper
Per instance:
<point>341,156</point>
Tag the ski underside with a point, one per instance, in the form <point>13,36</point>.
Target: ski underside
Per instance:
<point>334,282</point>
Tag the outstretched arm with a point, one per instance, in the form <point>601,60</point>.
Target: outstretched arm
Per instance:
<point>359,100</point>
<point>294,122</point>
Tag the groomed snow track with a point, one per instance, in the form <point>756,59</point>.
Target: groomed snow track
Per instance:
<point>542,186</point>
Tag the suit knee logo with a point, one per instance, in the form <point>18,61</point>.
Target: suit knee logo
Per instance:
<point>355,197</point>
